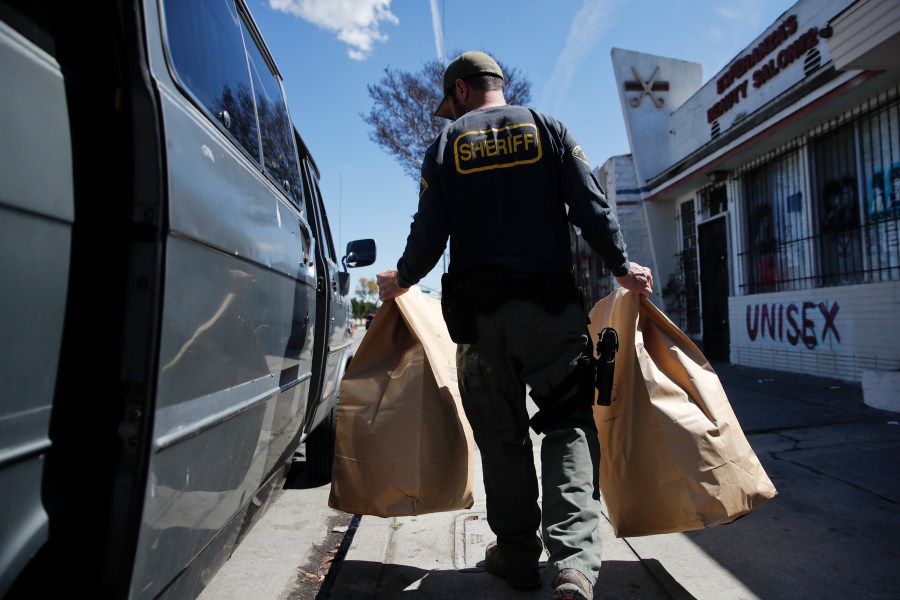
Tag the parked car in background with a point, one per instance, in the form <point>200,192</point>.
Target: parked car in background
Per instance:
<point>174,314</point>
<point>369,318</point>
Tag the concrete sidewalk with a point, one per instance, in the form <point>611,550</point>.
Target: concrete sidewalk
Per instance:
<point>832,531</point>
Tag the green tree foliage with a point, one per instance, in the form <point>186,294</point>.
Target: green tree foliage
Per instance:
<point>401,117</point>
<point>366,300</point>
<point>360,308</point>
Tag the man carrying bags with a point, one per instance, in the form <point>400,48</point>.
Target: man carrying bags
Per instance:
<point>502,183</point>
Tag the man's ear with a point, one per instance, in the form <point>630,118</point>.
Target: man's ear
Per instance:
<point>463,88</point>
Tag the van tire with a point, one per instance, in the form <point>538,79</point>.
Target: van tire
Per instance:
<point>320,447</point>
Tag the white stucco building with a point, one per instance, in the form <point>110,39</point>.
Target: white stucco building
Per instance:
<point>767,198</point>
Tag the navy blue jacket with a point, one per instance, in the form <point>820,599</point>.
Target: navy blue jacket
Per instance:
<point>502,184</point>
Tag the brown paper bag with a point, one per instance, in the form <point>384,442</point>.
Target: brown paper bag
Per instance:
<point>673,456</point>
<point>404,446</point>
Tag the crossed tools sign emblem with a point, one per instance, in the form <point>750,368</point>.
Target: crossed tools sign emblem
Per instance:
<point>646,88</point>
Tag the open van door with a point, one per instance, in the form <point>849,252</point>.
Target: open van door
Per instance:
<point>161,294</point>
<point>334,340</point>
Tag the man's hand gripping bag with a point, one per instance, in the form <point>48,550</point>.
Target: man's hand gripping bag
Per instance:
<point>673,456</point>
<point>404,446</point>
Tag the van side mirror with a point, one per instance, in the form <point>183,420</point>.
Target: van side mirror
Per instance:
<point>360,253</point>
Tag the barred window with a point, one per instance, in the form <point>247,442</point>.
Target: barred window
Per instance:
<point>848,233</point>
<point>837,189</point>
<point>590,273</point>
<point>713,200</point>
<point>880,162</point>
<point>688,265</point>
<point>776,253</point>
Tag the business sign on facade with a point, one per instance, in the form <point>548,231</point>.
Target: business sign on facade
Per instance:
<point>765,61</point>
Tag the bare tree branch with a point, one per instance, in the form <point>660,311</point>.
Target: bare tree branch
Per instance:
<point>401,118</point>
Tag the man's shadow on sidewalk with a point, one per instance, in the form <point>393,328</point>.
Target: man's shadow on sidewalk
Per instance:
<point>619,580</point>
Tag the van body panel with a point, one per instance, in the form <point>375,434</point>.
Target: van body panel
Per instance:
<point>194,255</point>
<point>36,170</point>
<point>216,196</point>
<point>236,348</point>
<point>36,214</point>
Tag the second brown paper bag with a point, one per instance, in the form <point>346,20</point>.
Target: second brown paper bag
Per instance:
<point>403,446</point>
<point>673,455</point>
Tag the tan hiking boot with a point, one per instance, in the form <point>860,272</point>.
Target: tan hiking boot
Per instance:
<point>570,584</point>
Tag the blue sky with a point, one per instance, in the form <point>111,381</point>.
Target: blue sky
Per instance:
<point>330,50</point>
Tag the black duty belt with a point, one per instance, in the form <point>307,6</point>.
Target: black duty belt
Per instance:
<point>488,288</point>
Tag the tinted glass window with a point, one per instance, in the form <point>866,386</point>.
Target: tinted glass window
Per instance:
<point>315,206</point>
<point>279,154</point>
<point>207,52</point>
<point>327,227</point>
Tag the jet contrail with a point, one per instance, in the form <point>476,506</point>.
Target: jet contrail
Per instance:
<point>588,27</point>
<point>438,31</point>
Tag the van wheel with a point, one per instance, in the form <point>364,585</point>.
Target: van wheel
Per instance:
<point>320,447</point>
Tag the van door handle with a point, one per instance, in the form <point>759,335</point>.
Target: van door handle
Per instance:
<point>309,248</point>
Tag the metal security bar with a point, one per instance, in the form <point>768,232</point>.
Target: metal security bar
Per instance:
<point>879,262</point>
<point>682,292</point>
<point>847,232</point>
<point>776,226</point>
<point>590,273</point>
<point>880,170</point>
<point>836,190</point>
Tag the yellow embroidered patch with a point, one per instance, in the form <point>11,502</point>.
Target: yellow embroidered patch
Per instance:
<point>487,149</point>
<point>578,153</point>
<point>423,185</point>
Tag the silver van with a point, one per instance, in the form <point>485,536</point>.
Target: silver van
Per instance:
<point>174,313</point>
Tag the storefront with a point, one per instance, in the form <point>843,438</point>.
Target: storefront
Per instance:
<point>767,199</point>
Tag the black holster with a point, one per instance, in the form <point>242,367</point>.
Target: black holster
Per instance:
<point>458,310</point>
<point>591,374</point>
<point>607,347</point>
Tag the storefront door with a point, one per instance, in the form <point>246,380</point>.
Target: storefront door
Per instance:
<point>713,242</point>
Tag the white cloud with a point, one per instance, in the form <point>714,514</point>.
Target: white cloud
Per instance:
<point>356,22</point>
<point>734,12</point>
<point>588,25</point>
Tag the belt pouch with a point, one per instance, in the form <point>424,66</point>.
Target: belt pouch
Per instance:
<point>458,311</point>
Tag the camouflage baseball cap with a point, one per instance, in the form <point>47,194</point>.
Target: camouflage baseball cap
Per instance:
<point>463,66</point>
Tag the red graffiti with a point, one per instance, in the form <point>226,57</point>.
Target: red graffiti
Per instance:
<point>794,323</point>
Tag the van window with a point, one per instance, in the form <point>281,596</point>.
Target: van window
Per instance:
<point>316,206</point>
<point>207,52</point>
<point>240,90</point>
<point>279,153</point>
<point>327,227</point>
